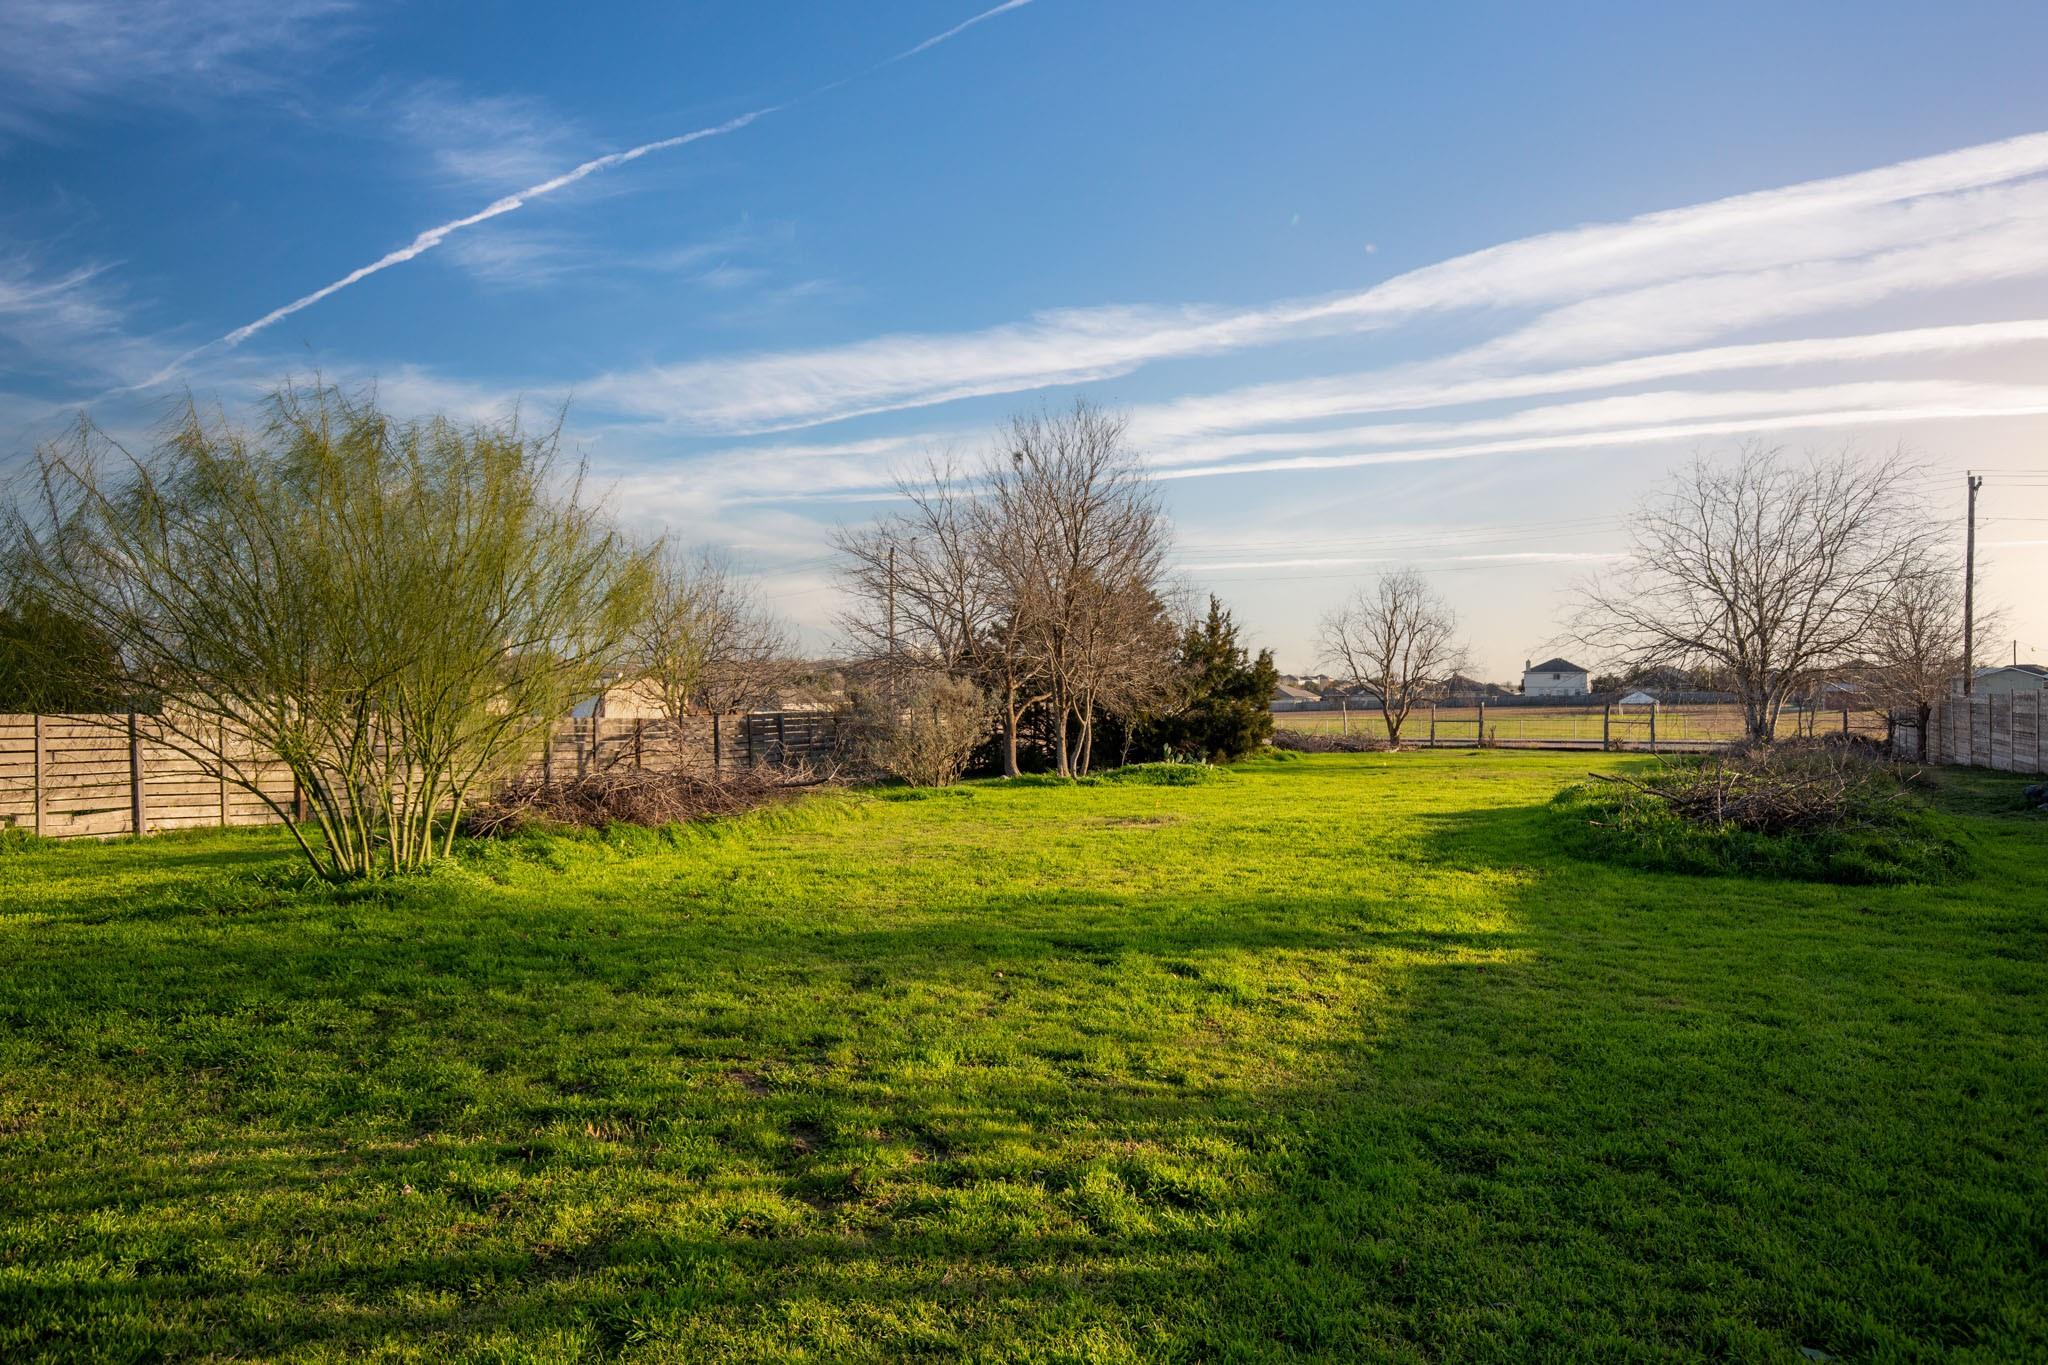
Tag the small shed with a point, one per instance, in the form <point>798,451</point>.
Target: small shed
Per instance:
<point>1637,699</point>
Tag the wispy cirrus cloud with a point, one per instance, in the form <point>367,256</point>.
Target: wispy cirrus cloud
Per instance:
<point>58,57</point>
<point>64,322</point>
<point>472,141</point>
<point>519,260</point>
<point>36,304</point>
<point>1993,402</point>
<point>1429,385</point>
<point>796,472</point>
<point>1632,411</point>
<point>1682,275</point>
<point>744,260</point>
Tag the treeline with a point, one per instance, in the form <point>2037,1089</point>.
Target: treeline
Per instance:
<point>401,610</point>
<point>1032,586</point>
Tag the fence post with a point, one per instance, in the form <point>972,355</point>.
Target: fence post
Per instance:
<point>547,760</point>
<point>220,765</point>
<point>1432,725</point>
<point>1845,722</point>
<point>137,819</point>
<point>717,746</point>
<point>747,729</point>
<point>576,737</point>
<point>1606,726</point>
<point>37,777</point>
<point>1482,725</point>
<point>1653,727</point>
<point>1344,717</point>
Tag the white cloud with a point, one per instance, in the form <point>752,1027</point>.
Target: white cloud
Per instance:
<point>490,142</point>
<point>827,472</point>
<point>2012,402</point>
<point>1675,276</point>
<point>58,57</point>
<point>1628,412</point>
<point>35,305</point>
<point>517,260</point>
<point>1437,384</point>
<point>1358,561</point>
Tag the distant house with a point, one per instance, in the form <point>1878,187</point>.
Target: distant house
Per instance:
<point>2010,678</point>
<point>1459,685</point>
<point>1841,694</point>
<point>1287,695</point>
<point>1554,678</point>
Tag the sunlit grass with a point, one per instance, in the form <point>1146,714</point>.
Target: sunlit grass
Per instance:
<point>1332,1058</point>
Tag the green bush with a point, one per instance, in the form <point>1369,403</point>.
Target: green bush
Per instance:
<point>1161,775</point>
<point>1223,708</point>
<point>1870,830</point>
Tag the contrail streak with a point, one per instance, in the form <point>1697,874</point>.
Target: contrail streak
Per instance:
<point>434,236</point>
<point>957,29</point>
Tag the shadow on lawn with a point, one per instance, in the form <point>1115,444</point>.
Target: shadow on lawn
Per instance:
<point>1040,1129</point>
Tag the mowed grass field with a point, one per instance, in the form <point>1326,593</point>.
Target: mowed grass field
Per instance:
<point>1679,724</point>
<point>1341,1058</point>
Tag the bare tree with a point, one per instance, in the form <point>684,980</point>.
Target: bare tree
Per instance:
<point>924,733</point>
<point>1913,652</point>
<point>1771,569</point>
<point>1039,578</point>
<point>1088,541</point>
<point>1398,638</point>
<point>705,643</point>
<point>941,585</point>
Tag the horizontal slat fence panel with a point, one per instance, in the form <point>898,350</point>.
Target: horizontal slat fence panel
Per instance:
<point>76,776</point>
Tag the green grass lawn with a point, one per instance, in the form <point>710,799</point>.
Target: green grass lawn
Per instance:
<point>1339,1058</point>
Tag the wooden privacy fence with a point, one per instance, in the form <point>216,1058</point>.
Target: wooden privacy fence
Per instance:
<point>2003,730</point>
<point>82,776</point>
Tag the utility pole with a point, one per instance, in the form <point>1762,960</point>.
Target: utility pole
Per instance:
<point>1975,482</point>
<point>889,678</point>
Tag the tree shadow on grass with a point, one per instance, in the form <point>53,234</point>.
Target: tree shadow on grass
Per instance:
<point>1554,1111</point>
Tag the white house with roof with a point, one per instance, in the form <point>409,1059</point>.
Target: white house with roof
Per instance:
<point>1554,678</point>
<point>2010,678</point>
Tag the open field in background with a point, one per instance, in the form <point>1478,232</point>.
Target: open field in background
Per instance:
<point>1677,725</point>
<point>1334,1058</point>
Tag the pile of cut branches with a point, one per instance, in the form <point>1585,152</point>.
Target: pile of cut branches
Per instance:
<point>1810,811</point>
<point>1786,788</point>
<point>1318,742</point>
<point>630,796</point>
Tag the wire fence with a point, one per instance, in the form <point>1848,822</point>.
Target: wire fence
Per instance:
<point>1594,725</point>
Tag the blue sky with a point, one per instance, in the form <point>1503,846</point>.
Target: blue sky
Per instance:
<point>1441,285</point>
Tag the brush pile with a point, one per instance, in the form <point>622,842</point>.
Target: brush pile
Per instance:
<point>1320,742</point>
<point>629,796</point>
<point>1786,788</point>
<point>1807,811</point>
